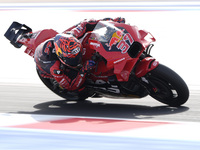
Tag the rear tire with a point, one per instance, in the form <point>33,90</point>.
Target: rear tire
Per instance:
<point>170,88</point>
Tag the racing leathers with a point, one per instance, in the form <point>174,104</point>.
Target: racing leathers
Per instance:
<point>49,65</point>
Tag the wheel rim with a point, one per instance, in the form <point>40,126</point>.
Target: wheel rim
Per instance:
<point>164,91</point>
<point>166,86</point>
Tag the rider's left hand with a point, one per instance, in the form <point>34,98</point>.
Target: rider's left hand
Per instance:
<point>119,20</point>
<point>89,65</point>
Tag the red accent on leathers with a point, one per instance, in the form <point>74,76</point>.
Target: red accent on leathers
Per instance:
<point>58,74</point>
<point>43,73</point>
<point>64,81</point>
<point>79,30</point>
<point>119,20</point>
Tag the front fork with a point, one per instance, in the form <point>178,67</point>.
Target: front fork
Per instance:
<point>145,65</point>
<point>142,69</point>
<point>150,86</point>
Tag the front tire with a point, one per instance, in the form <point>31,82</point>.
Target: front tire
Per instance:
<point>167,86</point>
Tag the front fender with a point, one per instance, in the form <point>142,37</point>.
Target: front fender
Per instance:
<point>145,66</point>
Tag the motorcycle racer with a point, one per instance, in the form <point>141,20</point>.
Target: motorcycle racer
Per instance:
<point>124,67</point>
<point>60,58</point>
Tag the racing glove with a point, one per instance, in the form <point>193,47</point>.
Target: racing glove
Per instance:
<point>80,29</point>
<point>119,20</point>
<point>89,65</point>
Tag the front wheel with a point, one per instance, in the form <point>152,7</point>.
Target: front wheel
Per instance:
<point>167,86</point>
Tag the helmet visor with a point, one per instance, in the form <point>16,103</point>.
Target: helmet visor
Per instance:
<point>73,62</point>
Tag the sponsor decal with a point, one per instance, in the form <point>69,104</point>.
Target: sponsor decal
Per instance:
<point>108,87</point>
<point>116,38</point>
<point>95,44</point>
<point>120,41</point>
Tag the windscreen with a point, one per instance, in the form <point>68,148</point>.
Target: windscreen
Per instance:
<point>112,38</point>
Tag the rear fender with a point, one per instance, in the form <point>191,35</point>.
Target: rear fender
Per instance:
<point>145,66</point>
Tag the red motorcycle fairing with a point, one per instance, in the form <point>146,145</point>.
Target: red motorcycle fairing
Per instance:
<point>145,66</point>
<point>120,45</point>
<point>120,51</point>
<point>36,38</point>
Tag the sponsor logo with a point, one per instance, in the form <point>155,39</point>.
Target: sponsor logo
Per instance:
<point>116,37</point>
<point>121,40</point>
<point>95,44</point>
<point>155,63</point>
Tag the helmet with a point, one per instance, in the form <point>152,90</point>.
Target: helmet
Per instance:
<point>68,49</point>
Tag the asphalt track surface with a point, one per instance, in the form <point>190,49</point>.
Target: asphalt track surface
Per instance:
<point>32,117</point>
<point>37,99</point>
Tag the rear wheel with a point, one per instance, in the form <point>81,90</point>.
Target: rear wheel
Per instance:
<point>167,86</point>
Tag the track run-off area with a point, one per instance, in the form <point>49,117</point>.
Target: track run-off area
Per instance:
<point>34,118</point>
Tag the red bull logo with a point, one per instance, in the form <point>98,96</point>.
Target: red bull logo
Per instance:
<point>121,40</point>
<point>116,37</point>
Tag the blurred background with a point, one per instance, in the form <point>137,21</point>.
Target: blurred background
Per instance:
<point>174,24</point>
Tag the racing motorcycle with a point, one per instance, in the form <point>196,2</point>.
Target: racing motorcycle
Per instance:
<point>124,66</point>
